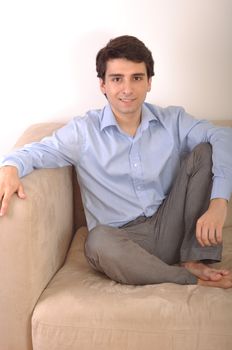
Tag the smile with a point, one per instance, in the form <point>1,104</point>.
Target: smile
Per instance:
<point>127,99</point>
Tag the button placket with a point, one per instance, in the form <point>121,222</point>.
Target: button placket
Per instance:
<point>136,168</point>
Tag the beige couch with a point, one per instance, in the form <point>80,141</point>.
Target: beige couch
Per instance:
<point>50,299</point>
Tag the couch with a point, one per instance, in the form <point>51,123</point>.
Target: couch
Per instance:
<point>50,299</point>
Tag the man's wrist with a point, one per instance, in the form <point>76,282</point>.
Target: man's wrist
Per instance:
<point>12,168</point>
<point>9,165</point>
<point>219,202</point>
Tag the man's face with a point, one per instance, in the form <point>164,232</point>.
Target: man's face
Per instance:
<point>126,85</point>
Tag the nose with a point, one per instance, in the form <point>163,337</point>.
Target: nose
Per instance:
<point>127,87</point>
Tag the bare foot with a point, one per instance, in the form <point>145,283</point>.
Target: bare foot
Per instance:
<point>204,272</point>
<point>225,282</point>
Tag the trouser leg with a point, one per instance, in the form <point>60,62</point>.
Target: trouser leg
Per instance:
<point>112,251</point>
<point>175,222</point>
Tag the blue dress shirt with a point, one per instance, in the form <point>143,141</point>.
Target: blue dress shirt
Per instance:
<point>122,177</point>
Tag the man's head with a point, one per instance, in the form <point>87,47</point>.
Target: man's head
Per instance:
<point>124,47</point>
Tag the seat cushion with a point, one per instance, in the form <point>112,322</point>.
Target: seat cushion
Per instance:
<point>82,309</point>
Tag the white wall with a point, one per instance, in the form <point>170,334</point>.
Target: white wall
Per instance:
<point>48,48</point>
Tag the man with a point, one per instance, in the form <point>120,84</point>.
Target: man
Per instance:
<point>154,209</point>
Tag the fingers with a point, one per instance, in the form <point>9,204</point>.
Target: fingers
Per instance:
<point>21,193</point>
<point>199,233</point>
<point>219,234</point>
<point>9,184</point>
<point>205,236</point>
<point>209,225</point>
<point>208,235</point>
<point>4,204</point>
<point>6,197</point>
<point>212,236</point>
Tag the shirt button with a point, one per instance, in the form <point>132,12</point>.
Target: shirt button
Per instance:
<point>135,165</point>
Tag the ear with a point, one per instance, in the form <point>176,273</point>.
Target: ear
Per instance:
<point>149,84</point>
<point>102,86</point>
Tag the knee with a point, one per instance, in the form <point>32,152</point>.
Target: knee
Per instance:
<point>104,243</point>
<point>203,151</point>
<point>102,250</point>
<point>200,158</point>
<point>96,241</point>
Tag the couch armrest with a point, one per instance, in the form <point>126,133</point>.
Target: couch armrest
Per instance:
<point>34,238</point>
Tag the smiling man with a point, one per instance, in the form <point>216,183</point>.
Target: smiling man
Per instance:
<point>155,182</point>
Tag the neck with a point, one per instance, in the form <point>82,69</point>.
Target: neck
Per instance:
<point>129,123</point>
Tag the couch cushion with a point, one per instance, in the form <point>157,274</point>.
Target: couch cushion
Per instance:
<point>83,309</point>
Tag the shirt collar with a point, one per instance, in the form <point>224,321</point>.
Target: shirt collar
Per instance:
<point>107,117</point>
<point>147,116</point>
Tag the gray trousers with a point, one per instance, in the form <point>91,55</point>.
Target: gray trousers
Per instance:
<point>147,250</point>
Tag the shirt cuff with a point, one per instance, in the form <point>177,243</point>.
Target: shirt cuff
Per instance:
<point>222,188</point>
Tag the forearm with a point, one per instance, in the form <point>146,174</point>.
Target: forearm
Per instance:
<point>61,149</point>
<point>36,156</point>
<point>220,139</point>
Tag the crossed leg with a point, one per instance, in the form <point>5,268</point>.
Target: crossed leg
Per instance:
<point>148,252</point>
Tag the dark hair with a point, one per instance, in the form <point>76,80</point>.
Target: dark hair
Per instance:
<point>128,47</point>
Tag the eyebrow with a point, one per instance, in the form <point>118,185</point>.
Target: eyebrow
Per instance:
<point>121,75</point>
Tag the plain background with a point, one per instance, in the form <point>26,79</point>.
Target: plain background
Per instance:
<point>48,49</point>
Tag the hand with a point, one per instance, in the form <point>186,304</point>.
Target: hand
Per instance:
<point>9,184</point>
<point>209,225</point>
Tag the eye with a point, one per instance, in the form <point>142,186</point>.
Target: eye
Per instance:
<point>138,78</point>
<point>116,79</point>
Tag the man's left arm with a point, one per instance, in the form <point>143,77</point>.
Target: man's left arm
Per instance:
<point>209,225</point>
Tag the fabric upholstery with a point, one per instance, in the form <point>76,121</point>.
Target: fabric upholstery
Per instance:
<point>82,309</point>
<point>34,238</point>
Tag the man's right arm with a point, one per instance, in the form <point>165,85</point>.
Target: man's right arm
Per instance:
<point>9,184</point>
<point>61,149</point>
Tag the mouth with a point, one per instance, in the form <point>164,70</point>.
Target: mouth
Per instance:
<point>127,100</point>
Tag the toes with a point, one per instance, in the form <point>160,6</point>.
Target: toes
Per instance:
<point>215,276</point>
<point>225,272</point>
